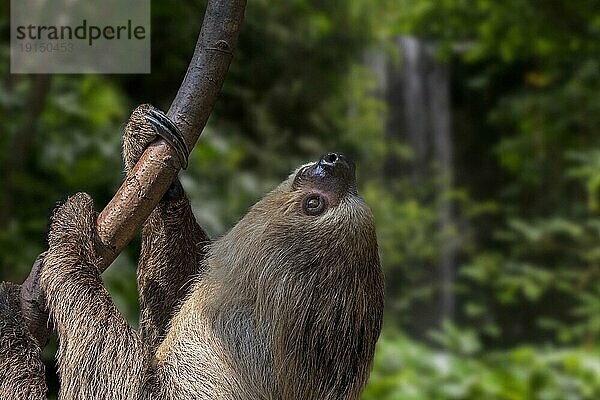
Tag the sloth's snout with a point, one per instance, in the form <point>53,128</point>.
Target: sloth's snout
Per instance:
<point>336,164</point>
<point>331,159</point>
<point>333,172</point>
<point>334,159</point>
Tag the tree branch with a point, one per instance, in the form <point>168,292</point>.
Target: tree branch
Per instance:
<point>159,165</point>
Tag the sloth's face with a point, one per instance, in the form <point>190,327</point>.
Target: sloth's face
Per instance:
<point>314,222</point>
<point>315,207</point>
<point>325,183</point>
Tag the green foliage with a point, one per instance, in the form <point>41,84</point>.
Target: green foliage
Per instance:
<point>526,107</point>
<point>408,370</point>
<point>78,122</point>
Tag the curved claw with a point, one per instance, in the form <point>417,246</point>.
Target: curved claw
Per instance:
<point>167,130</point>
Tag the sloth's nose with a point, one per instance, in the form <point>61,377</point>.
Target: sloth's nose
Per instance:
<point>337,165</point>
<point>334,160</point>
<point>333,171</point>
<point>330,159</point>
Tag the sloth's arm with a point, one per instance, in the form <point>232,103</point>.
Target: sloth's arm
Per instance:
<point>99,355</point>
<point>173,244</point>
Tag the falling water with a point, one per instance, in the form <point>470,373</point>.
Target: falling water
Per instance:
<point>416,90</point>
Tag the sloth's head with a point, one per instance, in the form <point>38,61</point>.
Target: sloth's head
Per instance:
<point>314,221</point>
<point>313,234</point>
<point>320,198</point>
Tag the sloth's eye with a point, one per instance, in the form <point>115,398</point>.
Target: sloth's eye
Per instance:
<point>314,204</point>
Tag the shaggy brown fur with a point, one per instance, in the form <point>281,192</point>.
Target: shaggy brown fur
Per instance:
<point>21,367</point>
<point>287,305</point>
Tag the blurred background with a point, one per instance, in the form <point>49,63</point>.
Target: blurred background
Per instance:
<point>474,125</point>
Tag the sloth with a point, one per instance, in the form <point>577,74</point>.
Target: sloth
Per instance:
<point>287,305</point>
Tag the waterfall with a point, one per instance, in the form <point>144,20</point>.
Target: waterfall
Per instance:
<point>416,91</point>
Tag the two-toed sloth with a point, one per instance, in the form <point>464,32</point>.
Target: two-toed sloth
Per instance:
<point>287,305</point>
